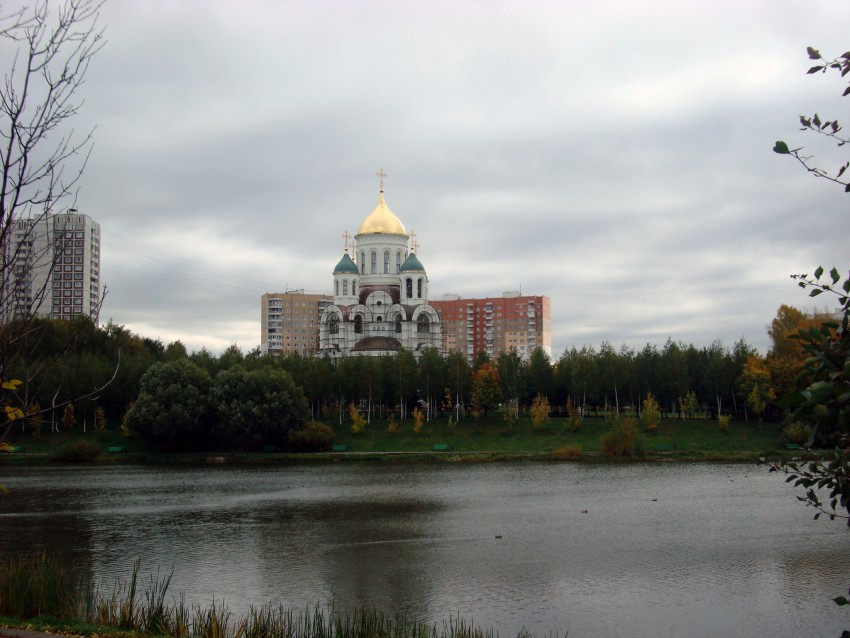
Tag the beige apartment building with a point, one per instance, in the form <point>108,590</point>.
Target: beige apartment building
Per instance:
<point>289,322</point>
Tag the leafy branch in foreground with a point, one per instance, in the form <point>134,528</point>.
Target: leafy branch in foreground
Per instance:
<point>828,128</point>
<point>816,475</point>
<point>823,384</point>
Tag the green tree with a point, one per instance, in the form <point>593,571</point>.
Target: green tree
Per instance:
<point>511,379</point>
<point>175,350</point>
<point>433,377</point>
<point>460,380</point>
<point>585,374</point>
<point>539,373</point>
<point>256,408</point>
<point>172,406</point>
<point>674,374</point>
<point>610,373</point>
<point>231,356</point>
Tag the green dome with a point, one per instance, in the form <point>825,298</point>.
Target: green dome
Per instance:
<point>412,264</point>
<point>346,265</point>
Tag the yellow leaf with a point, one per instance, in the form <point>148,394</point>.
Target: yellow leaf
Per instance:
<point>12,384</point>
<point>13,413</point>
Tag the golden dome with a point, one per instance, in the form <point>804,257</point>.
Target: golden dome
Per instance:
<point>382,220</point>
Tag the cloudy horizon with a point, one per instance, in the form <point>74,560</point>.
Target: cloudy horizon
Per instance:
<point>615,157</point>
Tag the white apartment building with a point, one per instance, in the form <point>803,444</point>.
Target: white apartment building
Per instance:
<point>54,267</point>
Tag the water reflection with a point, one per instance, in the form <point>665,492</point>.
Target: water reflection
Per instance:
<point>641,550</point>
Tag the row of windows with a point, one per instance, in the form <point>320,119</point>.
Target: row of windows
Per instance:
<point>345,288</point>
<point>373,262</point>
<point>423,324</point>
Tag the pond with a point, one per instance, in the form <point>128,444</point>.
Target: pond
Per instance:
<point>662,549</point>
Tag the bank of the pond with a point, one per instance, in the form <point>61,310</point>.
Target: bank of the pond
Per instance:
<point>40,596</point>
<point>437,441</point>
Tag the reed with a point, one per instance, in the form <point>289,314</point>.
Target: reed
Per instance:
<point>38,585</point>
<point>42,586</point>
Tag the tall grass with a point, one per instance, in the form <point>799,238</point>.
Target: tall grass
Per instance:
<point>41,585</point>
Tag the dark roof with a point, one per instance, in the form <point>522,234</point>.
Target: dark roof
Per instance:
<point>346,265</point>
<point>376,343</point>
<point>412,264</point>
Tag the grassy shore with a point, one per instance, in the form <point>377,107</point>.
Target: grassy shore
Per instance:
<point>487,439</point>
<point>43,593</point>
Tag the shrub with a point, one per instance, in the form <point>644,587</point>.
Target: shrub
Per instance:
<point>540,411</point>
<point>623,439</point>
<point>80,451</point>
<point>569,453</point>
<point>796,432</point>
<point>358,421</point>
<point>418,420</point>
<point>651,413</point>
<point>392,424</point>
<point>723,422</point>
<point>312,437</point>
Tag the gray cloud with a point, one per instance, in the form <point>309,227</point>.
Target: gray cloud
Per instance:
<point>614,156</point>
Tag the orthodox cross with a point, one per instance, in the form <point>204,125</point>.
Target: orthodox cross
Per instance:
<point>382,175</point>
<point>414,245</point>
<point>345,238</point>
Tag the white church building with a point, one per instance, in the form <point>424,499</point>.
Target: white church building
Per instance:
<point>380,290</point>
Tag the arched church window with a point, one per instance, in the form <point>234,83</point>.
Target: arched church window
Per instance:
<point>345,287</point>
<point>358,324</point>
<point>336,288</point>
<point>353,287</point>
<point>362,263</point>
<point>398,261</point>
<point>333,325</point>
<point>398,324</point>
<point>409,287</point>
<point>419,288</point>
<point>374,259</point>
<point>423,325</point>
<point>386,262</point>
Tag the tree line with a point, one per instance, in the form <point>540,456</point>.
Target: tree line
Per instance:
<point>712,380</point>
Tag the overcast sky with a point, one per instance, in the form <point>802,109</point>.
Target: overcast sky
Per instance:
<point>614,156</point>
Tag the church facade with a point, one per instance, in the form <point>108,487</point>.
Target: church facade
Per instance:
<point>380,301</point>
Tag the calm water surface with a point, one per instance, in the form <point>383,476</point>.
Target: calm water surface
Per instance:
<point>596,550</point>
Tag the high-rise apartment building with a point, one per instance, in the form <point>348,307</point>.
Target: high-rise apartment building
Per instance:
<point>495,324</point>
<point>289,321</point>
<point>54,267</point>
